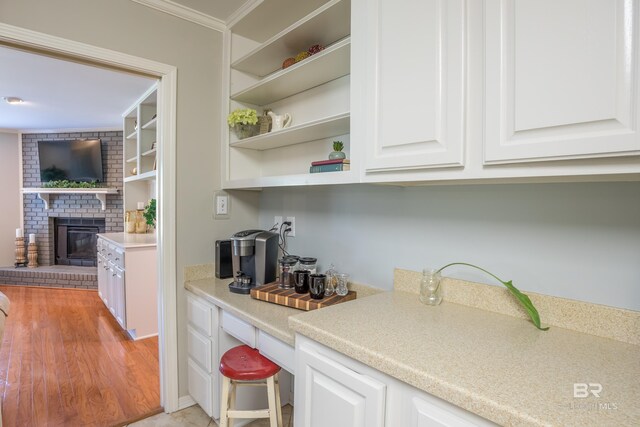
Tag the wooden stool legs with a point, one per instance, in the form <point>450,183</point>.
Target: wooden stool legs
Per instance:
<point>227,408</point>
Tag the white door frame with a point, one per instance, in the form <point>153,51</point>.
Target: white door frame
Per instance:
<point>167,86</point>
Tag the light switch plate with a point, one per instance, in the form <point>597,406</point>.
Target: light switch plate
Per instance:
<point>221,205</point>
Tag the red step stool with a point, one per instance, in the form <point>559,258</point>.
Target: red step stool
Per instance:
<point>245,366</point>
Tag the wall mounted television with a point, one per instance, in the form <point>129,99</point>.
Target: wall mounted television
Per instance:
<point>78,160</point>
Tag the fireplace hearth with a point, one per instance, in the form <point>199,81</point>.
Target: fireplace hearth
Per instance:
<point>75,240</point>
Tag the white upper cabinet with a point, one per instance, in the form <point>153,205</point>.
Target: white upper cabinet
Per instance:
<point>414,79</point>
<point>561,79</point>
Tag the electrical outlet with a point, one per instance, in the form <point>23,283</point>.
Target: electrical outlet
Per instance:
<point>277,221</point>
<point>292,220</point>
<point>221,206</point>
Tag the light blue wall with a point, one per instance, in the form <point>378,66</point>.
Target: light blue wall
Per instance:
<point>578,241</point>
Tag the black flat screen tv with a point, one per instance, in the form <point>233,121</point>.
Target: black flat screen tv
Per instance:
<point>78,160</point>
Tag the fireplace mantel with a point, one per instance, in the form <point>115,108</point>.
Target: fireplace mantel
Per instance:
<point>44,193</point>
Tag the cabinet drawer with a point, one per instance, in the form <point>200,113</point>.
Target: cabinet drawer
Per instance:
<point>118,257</point>
<point>200,386</point>
<point>199,315</point>
<point>239,329</point>
<point>199,348</point>
<point>278,351</point>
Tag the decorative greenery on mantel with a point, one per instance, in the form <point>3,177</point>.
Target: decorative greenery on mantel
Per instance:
<point>70,184</point>
<point>522,298</point>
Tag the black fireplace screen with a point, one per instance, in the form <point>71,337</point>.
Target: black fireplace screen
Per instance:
<point>76,240</point>
<point>81,242</point>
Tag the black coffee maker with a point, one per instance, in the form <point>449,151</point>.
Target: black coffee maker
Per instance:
<point>254,259</point>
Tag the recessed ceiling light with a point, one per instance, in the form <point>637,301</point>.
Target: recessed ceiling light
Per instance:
<point>13,100</point>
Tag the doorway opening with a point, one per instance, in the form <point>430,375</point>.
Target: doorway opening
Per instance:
<point>43,44</point>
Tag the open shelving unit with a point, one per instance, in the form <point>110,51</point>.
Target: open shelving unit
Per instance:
<point>140,122</point>
<point>315,91</point>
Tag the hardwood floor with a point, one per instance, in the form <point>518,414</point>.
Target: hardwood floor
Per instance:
<point>64,361</point>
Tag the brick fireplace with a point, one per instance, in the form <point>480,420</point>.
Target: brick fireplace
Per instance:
<point>65,209</point>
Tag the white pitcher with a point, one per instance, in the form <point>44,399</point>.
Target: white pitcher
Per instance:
<point>279,122</point>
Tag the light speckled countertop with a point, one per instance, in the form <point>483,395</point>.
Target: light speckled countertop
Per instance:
<point>497,366</point>
<point>131,240</point>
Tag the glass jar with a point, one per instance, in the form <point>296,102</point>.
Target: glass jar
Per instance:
<point>308,263</point>
<point>341,287</point>
<point>130,221</point>
<point>297,265</point>
<point>141,222</point>
<point>430,289</point>
<point>331,281</point>
<point>286,273</point>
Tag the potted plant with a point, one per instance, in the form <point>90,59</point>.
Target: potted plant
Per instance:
<point>244,122</point>
<point>150,213</point>
<point>337,152</point>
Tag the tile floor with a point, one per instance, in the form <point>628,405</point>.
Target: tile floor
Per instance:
<point>195,417</point>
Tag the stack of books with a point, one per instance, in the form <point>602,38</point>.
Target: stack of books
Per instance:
<point>335,165</point>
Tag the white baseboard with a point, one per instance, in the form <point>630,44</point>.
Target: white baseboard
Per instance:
<point>185,401</point>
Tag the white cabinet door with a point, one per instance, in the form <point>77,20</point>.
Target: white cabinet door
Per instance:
<point>111,294</point>
<point>561,79</point>
<point>330,394</point>
<point>414,99</point>
<point>102,278</point>
<point>119,296</point>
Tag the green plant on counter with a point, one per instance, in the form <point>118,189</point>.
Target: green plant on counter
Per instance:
<point>246,116</point>
<point>522,298</point>
<point>64,183</point>
<point>150,212</point>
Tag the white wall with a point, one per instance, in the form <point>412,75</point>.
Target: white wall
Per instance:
<point>579,241</point>
<point>129,27</point>
<point>9,196</point>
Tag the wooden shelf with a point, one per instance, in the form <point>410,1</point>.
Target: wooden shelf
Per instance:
<point>151,124</point>
<point>132,160</point>
<point>324,26</point>
<point>149,152</point>
<point>328,65</point>
<point>43,193</point>
<point>141,177</point>
<point>326,178</point>
<point>133,135</point>
<point>311,131</point>
<point>269,17</point>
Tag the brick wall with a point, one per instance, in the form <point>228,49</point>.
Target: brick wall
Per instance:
<point>40,221</point>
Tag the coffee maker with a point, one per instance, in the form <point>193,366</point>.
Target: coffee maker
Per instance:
<point>254,259</point>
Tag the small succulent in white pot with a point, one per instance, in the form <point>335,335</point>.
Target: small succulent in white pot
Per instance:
<point>337,152</point>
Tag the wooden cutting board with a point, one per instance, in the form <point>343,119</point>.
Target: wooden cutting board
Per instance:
<point>288,297</point>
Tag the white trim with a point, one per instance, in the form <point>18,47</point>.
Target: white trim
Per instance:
<point>167,88</point>
<point>20,182</point>
<point>186,13</point>
<point>167,276</point>
<point>16,131</point>
<point>72,130</point>
<point>242,12</point>
<point>185,402</point>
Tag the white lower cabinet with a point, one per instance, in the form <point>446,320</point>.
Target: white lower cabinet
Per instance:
<point>335,390</point>
<point>331,394</point>
<point>211,331</point>
<point>202,347</point>
<point>131,297</point>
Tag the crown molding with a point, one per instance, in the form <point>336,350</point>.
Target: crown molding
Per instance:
<point>12,131</point>
<point>186,13</point>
